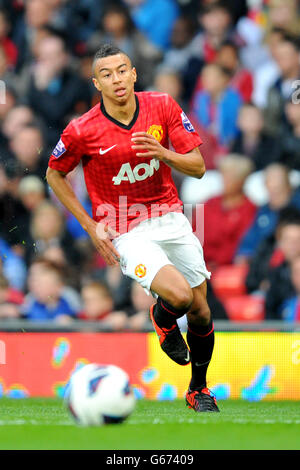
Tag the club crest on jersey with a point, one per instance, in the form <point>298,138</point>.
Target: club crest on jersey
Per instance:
<point>187,123</point>
<point>59,149</point>
<point>156,131</point>
<point>140,270</point>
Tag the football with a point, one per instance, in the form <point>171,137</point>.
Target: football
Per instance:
<point>99,394</point>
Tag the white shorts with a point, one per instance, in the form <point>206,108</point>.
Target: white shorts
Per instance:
<point>159,241</point>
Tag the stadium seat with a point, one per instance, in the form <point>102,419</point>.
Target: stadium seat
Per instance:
<point>245,308</point>
<point>229,281</point>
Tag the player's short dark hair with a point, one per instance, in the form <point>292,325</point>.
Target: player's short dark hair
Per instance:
<point>106,50</point>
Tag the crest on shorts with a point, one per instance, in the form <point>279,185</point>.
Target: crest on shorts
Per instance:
<point>156,131</point>
<point>187,123</point>
<point>140,270</point>
<point>59,149</point>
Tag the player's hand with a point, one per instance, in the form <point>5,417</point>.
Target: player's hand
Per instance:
<point>147,146</point>
<point>101,236</point>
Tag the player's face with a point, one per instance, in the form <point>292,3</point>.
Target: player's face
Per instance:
<point>115,78</point>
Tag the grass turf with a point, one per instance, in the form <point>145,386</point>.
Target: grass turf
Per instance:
<point>45,424</point>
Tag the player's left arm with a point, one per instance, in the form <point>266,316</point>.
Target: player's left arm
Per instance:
<point>190,163</point>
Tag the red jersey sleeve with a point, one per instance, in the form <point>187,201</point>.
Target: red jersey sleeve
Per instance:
<point>68,151</point>
<point>182,134</point>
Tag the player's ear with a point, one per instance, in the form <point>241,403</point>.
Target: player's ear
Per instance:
<point>134,74</point>
<point>96,84</point>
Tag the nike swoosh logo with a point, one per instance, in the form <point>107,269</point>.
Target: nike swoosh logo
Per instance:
<point>102,152</point>
<point>198,364</point>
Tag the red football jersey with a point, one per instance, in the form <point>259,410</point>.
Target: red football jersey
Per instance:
<point>125,189</point>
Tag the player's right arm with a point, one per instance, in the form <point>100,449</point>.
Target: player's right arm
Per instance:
<point>99,233</point>
<point>65,158</point>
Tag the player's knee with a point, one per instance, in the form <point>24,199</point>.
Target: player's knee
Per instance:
<point>181,298</point>
<point>201,316</point>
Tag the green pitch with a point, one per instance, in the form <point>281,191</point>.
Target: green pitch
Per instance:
<point>45,424</point>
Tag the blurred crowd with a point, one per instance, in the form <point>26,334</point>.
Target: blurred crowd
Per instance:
<point>234,67</point>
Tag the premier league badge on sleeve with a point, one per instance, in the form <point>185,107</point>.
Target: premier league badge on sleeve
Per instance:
<point>59,149</point>
<point>187,123</point>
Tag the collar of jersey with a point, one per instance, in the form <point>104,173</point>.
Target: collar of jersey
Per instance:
<point>118,123</point>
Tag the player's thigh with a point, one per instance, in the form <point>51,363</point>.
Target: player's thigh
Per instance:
<point>172,286</point>
<point>186,254</point>
<point>140,258</point>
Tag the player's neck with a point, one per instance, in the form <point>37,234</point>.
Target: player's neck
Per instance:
<point>123,113</point>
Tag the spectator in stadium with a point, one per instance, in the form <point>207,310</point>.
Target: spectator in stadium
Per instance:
<point>217,23</point>
<point>268,254</point>
<point>47,228</point>
<point>12,266</point>
<point>98,306</point>
<point>252,140</point>
<point>287,58</point>
<point>21,198</point>
<point>65,21</point>
<point>289,141</point>
<point>85,63</point>
<point>10,299</point>
<point>241,80</point>
<point>44,301</point>
<point>281,194</point>
<point>284,14</point>
<point>227,217</point>
<point>37,14</point>
<point>18,117</point>
<point>184,45</point>
<point>13,214</point>
<point>138,315</point>
<point>119,29</point>
<point>86,14</point>
<point>31,192</point>
<point>146,15</point>
<point>169,81</point>
<point>28,148</point>
<point>280,282</point>
<point>55,91</point>
<point>118,284</point>
<point>55,255</point>
<point>268,71</point>
<point>7,74</point>
<point>62,17</point>
<point>216,105</point>
<point>289,310</point>
<point>10,101</point>
<point>10,49</point>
